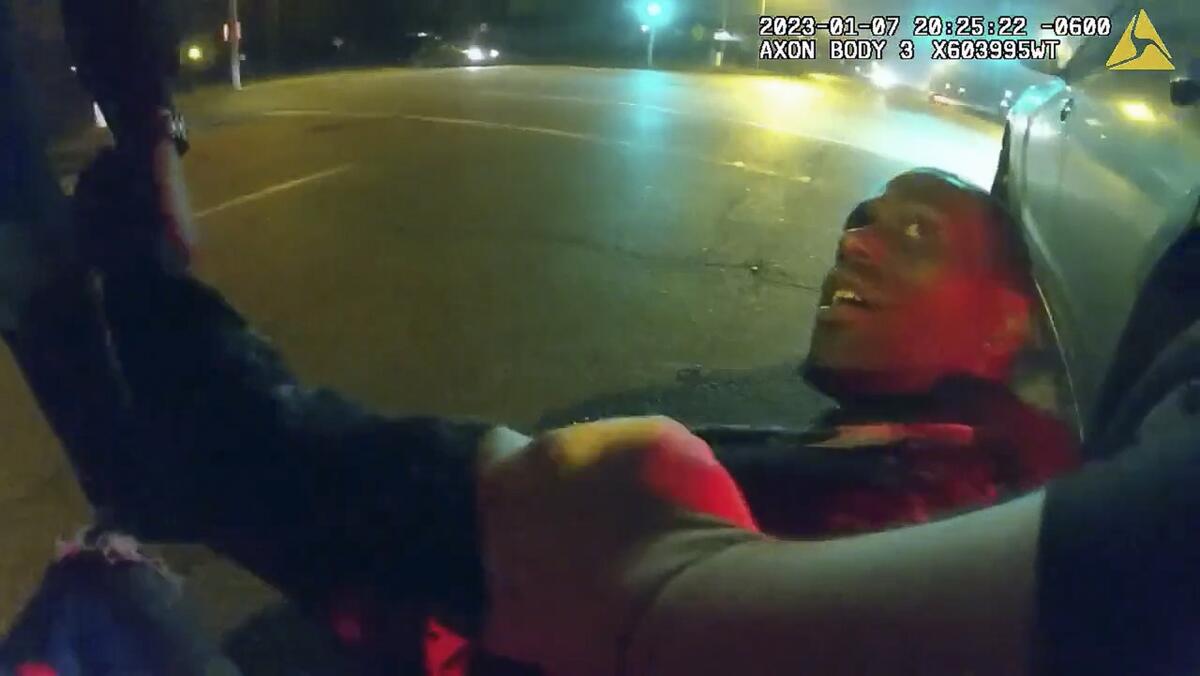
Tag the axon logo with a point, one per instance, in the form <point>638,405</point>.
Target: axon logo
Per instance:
<point>1140,47</point>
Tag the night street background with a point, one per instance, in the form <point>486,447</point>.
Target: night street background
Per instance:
<point>532,245</point>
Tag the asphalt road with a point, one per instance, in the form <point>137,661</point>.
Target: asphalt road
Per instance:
<point>531,245</point>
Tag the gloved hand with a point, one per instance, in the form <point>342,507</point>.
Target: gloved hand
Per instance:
<point>583,527</point>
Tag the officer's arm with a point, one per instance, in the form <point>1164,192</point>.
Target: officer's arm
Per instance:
<point>183,424</point>
<point>593,569</point>
<point>304,486</point>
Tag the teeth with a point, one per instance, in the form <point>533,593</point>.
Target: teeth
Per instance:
<point>846,296</point>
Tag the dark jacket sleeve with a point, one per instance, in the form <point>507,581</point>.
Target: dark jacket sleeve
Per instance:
<point>185,425</point>
<point>307,488</point>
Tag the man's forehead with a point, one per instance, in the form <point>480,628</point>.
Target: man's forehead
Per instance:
<point>944,199</point>
<point>932,189</point>
<point>956,203</point>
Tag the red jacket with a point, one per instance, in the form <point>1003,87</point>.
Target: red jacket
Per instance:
<point>904,460</point>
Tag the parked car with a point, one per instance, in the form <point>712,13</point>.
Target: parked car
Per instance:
<point>1103,168</point>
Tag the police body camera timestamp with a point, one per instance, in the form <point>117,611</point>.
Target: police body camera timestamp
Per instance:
<point>968,37</point>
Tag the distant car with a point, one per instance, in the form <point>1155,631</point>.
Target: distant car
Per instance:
<point>428,49</point>
<point>898,81</point>
<point>1103,168</point>
<point>986,87</point>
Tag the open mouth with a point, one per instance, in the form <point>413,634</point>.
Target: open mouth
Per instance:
<point>839,293</point>
<point>846,297</point>
<point>845,290</point>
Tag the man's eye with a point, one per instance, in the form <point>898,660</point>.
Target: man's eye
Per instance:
<point>913,231</point>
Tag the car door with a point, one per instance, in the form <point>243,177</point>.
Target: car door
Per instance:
<point>1129,167</point>
<point>1040,149</point>
<point>1040,133</point>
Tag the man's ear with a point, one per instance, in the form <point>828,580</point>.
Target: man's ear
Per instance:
<point>1014,328</point>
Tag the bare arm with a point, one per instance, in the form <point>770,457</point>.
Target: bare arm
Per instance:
<point>593,568</point>
<point>949,598</point>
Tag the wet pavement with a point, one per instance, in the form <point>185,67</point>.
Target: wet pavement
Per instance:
<point>530,245</point>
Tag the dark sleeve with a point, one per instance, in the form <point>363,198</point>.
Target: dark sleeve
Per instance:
<point>1119,565</point>
<point>304,487</point>
<point>788,481</point>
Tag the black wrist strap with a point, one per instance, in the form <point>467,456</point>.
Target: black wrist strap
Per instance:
<point>1119,565</point>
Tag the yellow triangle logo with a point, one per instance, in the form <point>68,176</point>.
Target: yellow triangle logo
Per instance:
<point>1140,47</point>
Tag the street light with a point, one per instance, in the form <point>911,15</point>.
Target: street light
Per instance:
<point>654,14</point>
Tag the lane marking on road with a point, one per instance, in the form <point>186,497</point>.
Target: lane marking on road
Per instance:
<point>484,124</point>
<point>591,138</point>
<point>597,102</point>
<point>305,112</point>
<point>595,69</point>
<point>547,131</point>
<point>883,142</point>
<point>275,189</point>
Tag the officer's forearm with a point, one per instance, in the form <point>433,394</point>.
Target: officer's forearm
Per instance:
<point>303,486</point>
<point>1100,574</point>
<point>948,598</point>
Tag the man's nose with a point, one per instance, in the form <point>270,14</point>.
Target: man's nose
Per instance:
<point>858,246</point>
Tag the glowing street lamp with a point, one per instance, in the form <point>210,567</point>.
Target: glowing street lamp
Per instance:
<point>654,14</point>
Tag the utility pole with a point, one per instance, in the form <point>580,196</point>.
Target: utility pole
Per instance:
<point>273,33</point>
<point>762,11</point>
<point>655,16</point>
<point>235,45</point>
<point>720,57</point>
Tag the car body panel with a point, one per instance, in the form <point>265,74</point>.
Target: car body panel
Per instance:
<point>1106,170</point>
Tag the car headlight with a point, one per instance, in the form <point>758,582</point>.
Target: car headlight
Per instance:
<point>884,78</point>
<point>474,54</point>
<point>494,54</point>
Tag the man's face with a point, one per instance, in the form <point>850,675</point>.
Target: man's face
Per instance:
<point>910,299</point>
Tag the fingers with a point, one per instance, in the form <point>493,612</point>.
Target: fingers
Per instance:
<point>514,463</point>
<point>668,462</point>
<point>680,468</point>
<point>568,517</point>
<point>579,446</point>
